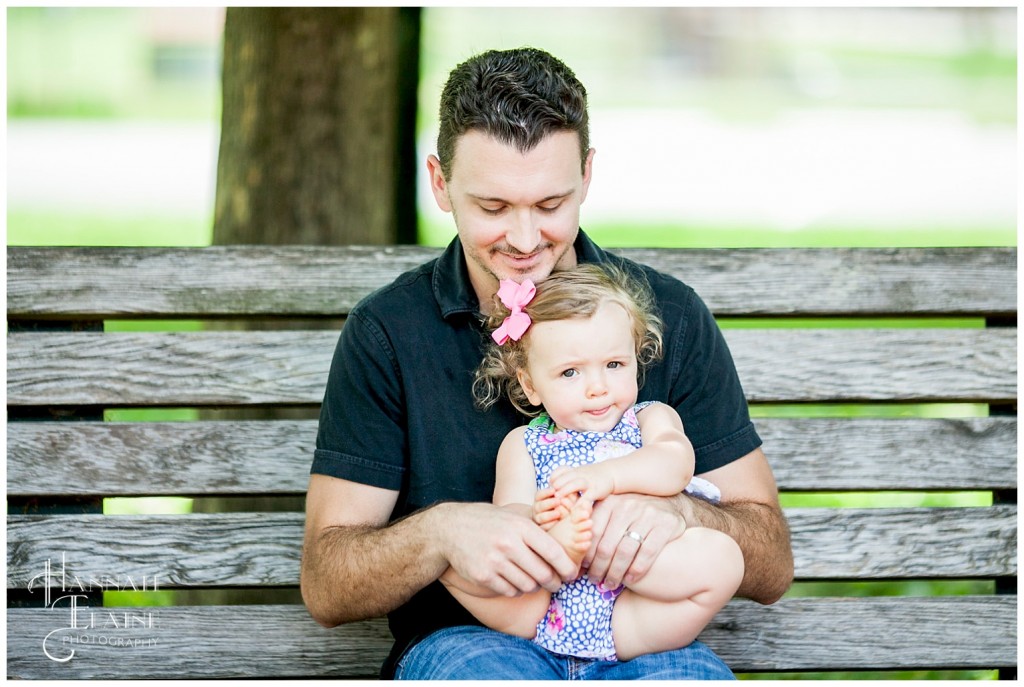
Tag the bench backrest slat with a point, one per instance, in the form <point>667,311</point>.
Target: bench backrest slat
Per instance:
<point>290,367</point>
<point>329,280</point>
<point>254,457</point>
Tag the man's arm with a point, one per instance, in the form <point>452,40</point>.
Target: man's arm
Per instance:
<point>749,513</point>
<point>355,566</point>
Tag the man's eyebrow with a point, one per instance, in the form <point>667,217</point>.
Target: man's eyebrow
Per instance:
<point>496,199</point>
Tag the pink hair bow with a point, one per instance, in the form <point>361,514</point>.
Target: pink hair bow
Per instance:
<point>515,297</point>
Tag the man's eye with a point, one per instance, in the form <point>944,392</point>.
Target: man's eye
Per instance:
<point>493,211</point>
<point>550,208</point>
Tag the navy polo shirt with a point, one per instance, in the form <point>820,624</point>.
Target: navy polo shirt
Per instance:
<point>398,410</point>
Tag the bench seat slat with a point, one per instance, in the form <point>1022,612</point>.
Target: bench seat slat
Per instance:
<point>253,549</point>
<point>290,367</point>
<point>93,283</point>
<point>273,457</point>
<point>880,633</point>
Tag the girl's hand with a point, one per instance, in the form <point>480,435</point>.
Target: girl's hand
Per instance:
<point>591,482</point>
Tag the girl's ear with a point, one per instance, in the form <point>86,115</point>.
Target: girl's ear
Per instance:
<point>531,393</point>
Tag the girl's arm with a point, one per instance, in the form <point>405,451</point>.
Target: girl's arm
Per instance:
<point>515,481</point>
<point>662,467</point>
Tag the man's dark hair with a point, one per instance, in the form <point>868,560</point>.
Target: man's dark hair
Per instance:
<point>516,96</point>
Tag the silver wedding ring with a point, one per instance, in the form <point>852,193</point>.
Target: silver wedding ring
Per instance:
<point>635,536</point>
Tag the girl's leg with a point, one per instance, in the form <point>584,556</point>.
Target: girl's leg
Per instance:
<point>691,580</point>
<point>519,615</point>
<point>516,615</point>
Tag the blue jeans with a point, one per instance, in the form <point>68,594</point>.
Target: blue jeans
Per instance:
<point>477,653</point>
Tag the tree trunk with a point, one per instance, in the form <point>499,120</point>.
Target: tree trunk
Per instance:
<point>318,126</point>
<point>317,147</point>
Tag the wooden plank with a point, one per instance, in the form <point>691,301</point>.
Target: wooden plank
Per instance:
<point>258,549</point>
<point>868,454</point>
<point>180,368</point>
<point>879,633</point>
<point>191,642</point>
<point>882,543</point>
<point>200,282</point>
<point>273,457</point>
<point>219,549</point>
<point>290,367</point>
<point>283,642</point>
<point>919,365</point>
<point>328,280</point>
<point>160,458</point>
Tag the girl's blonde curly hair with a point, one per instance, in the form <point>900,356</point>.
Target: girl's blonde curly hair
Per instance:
<point>571,294</point>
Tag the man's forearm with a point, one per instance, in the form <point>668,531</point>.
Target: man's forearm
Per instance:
<point>355,572</point>
<point>763,536</point>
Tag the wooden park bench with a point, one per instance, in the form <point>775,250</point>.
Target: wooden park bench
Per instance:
<point>71,361</point>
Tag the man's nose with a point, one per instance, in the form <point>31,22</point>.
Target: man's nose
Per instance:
<point>523,235</point>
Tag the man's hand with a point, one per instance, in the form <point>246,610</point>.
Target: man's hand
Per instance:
<point>501,549</point>
<point>615,558</point>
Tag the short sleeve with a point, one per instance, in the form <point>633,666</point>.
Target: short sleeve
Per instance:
<point>706,391</point>
<point>361,435</point>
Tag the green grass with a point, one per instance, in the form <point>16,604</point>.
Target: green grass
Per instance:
<point>665,235</point>
<point>56,228</point>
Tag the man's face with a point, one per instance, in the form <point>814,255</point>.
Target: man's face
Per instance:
<point>517,214</point>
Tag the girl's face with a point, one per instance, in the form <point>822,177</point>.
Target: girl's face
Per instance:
<point>583,371</point>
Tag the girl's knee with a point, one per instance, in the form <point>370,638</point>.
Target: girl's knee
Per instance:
<point>715,544</point>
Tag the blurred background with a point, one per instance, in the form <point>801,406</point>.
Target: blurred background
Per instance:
<point>714,127</point>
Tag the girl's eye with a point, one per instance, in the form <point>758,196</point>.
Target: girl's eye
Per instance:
<point>570,373</point>
<point>614,365</point>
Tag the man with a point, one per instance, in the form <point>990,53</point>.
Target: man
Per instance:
<point>404,468</point>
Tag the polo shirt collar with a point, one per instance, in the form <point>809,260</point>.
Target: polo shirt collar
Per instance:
<point>453,290</point>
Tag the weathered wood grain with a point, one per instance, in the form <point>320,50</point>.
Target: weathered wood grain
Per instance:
<point>261,457</point>
<point>193,642</point>
<point>90,283</point>
<point>869,633</point>
<point>261,550</point>
<point>880,543</point>
<point>218,549</point>
<point>160,458</point>
<point>869,454</point>
<point>282,641</point>
<point>290,367</point>
<point>180,368</point>
<point>256,549</point>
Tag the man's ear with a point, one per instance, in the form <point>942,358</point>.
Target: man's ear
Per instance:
<point>527,384</point>
<point>438,184</point>
<point>588,171</point>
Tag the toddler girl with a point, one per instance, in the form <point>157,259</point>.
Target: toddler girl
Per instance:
<point>571,352</point>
